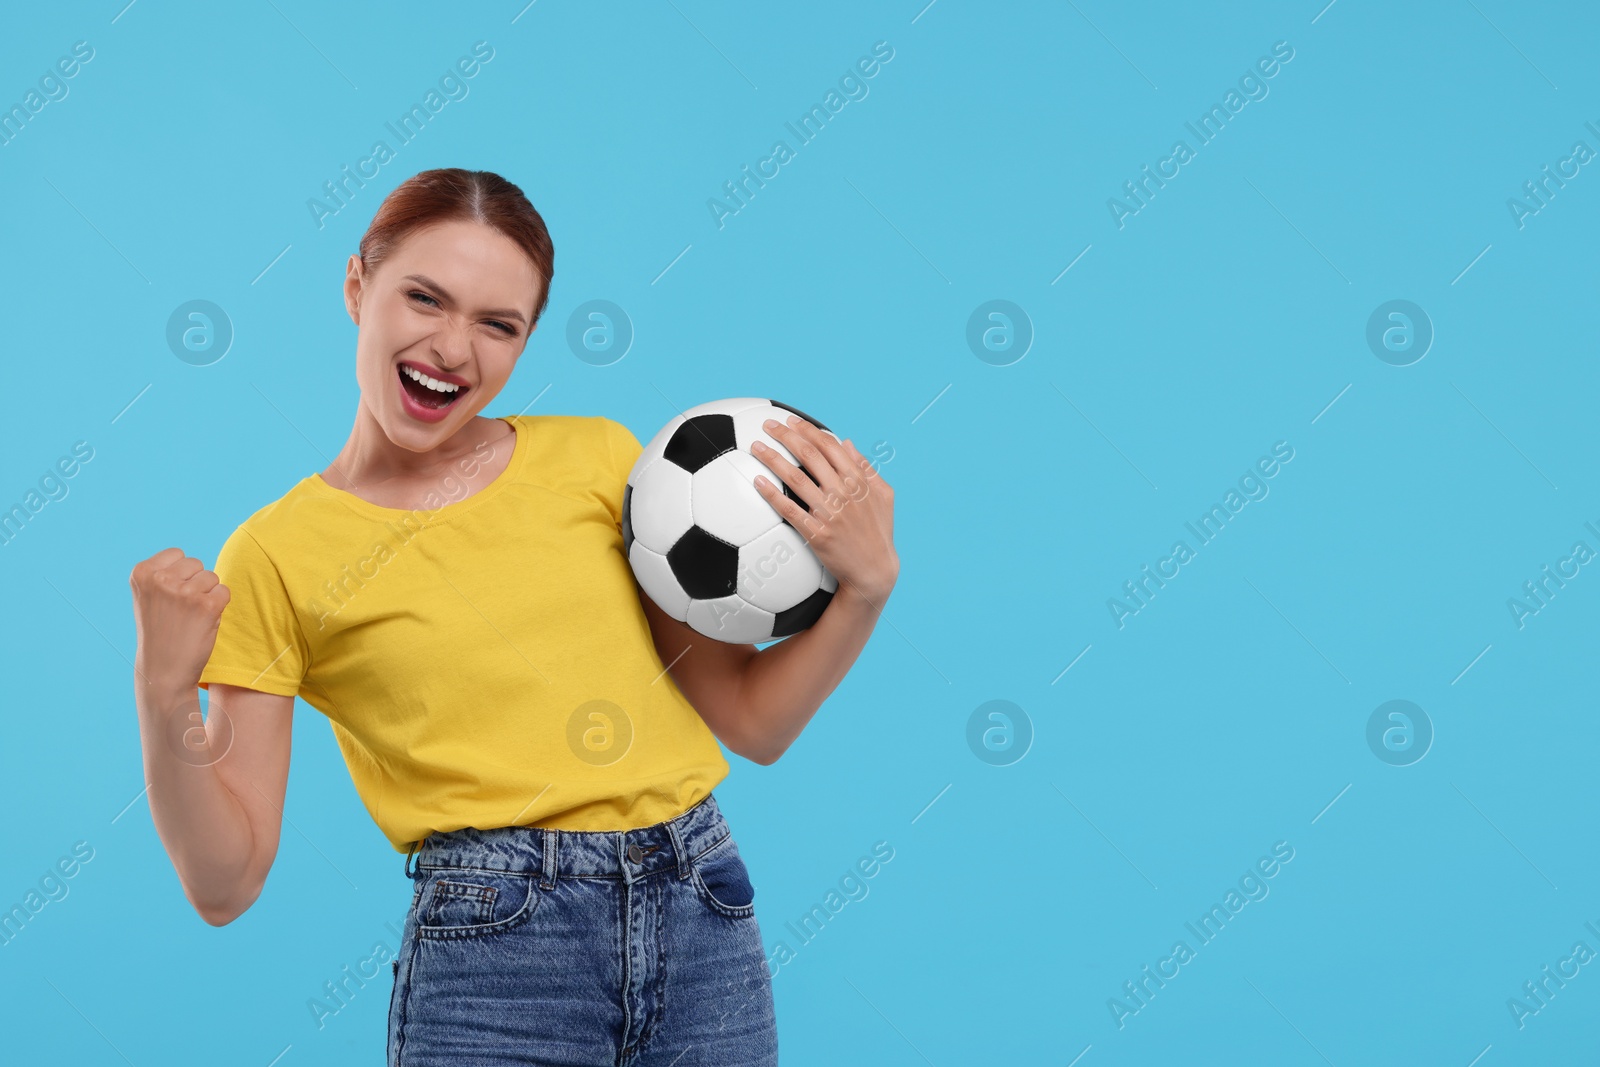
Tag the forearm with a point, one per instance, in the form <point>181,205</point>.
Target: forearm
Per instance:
<point>784,684</point>
<point>200,822</point>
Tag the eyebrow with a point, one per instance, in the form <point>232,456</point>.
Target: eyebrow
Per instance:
<point>505,313</point>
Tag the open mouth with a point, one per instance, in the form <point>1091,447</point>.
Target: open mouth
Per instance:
<point>436,395</point>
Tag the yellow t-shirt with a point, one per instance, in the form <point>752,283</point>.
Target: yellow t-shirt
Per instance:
<point>484,663</point>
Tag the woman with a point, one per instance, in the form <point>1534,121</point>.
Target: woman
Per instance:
<point>518,718</point>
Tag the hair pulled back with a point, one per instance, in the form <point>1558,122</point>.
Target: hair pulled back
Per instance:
<point>451,193</point>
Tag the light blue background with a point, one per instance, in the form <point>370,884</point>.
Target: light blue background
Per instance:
<point>1225,316</point>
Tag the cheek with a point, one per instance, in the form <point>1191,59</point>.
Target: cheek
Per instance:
<point>372,365</point>
<point>375,359</point>
<point>497,367</point>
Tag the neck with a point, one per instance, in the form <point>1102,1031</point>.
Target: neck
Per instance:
<point>370,458</point>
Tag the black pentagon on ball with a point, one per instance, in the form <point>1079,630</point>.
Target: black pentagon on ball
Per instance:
<point>627,519</point>
<point>802,615</point>
<point>700,440</point>
<point>797,411</point>
<point>706,567</point>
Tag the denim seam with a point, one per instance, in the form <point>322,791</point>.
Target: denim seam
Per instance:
<point>713,845</point>
<point>679,849</point>
<point>651,1023</point>
<point>534,874</point>
<point>743,911</point>
<point>521,872</point>
<point>627,962</point>
<point>405,1002</point>
<point>445,889</point>
<point>551,847</point>
<point>476,870</point>
<point>440,933</point>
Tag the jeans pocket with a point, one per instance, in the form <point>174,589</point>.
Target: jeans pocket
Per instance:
<point>461,902</point>
<point>721,880</point>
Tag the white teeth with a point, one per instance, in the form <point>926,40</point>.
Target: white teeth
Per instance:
<point>431,383</point>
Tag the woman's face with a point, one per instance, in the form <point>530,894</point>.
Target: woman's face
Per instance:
<point>453,302</point>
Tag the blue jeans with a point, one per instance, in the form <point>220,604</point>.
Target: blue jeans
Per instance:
<point>632,948</point>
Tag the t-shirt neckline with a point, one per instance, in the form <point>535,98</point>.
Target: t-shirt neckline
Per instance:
<point>444,512</point>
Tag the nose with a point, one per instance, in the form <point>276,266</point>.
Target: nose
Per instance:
<point>453,346</point>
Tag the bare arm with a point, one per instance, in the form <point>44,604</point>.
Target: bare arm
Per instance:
<point>786,683</point>
<point>215,789</point>
<point>758,701</point>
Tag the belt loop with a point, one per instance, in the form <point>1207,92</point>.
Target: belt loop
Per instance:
<point>412,849</point>
<point>678,848</point>
<point>549,848</point>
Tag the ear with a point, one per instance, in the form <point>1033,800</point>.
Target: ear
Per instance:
<point>354,279</point>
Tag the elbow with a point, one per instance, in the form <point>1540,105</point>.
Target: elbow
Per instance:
<point>742,735</point>
<point>214,912</point>
<point>223,912</point>
<point>766,756</point>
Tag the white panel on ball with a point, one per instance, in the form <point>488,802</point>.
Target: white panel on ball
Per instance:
<point>747,430</point>
<point>778,569</point>
<point>712,532</point>
<point>731,619</point>
<point>655,577</point>
<point>727,504</point>
<point>661,505</point>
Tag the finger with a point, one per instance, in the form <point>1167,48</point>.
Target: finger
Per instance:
<point>838,456</point>
<point>849,475</point>
<point>802,438</point>
<point>856,473</point>
<point>870,470</point>
<point>791,512</point>
<point>858,460</point>
<point>146,567</point>
<point>202,581</point>
<point>185,568</point>
<point>792,476</point>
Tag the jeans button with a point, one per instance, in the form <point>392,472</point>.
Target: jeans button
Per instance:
<point>635,853</point>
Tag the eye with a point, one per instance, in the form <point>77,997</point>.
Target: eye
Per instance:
<point>509,331</point>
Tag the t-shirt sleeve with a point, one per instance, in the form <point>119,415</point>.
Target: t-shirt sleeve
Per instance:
<point>624,450</point>
<point>259,642</point>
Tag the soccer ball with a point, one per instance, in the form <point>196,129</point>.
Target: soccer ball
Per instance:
<point>702,542</point>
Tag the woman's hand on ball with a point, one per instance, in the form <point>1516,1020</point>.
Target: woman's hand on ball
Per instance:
<point>850,526</point>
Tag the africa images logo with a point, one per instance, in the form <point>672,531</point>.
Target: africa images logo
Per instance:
<point>1206,128</point>
<point>1252,486</point>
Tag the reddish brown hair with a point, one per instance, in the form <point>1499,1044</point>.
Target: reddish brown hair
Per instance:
<point>470,195</point>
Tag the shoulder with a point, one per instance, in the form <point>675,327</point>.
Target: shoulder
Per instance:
<point>286,520</point>
<point>581,454</point>
<point>599,433</point>
<point>572,425</point>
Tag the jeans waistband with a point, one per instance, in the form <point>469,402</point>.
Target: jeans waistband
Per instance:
<point>626,854</point>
